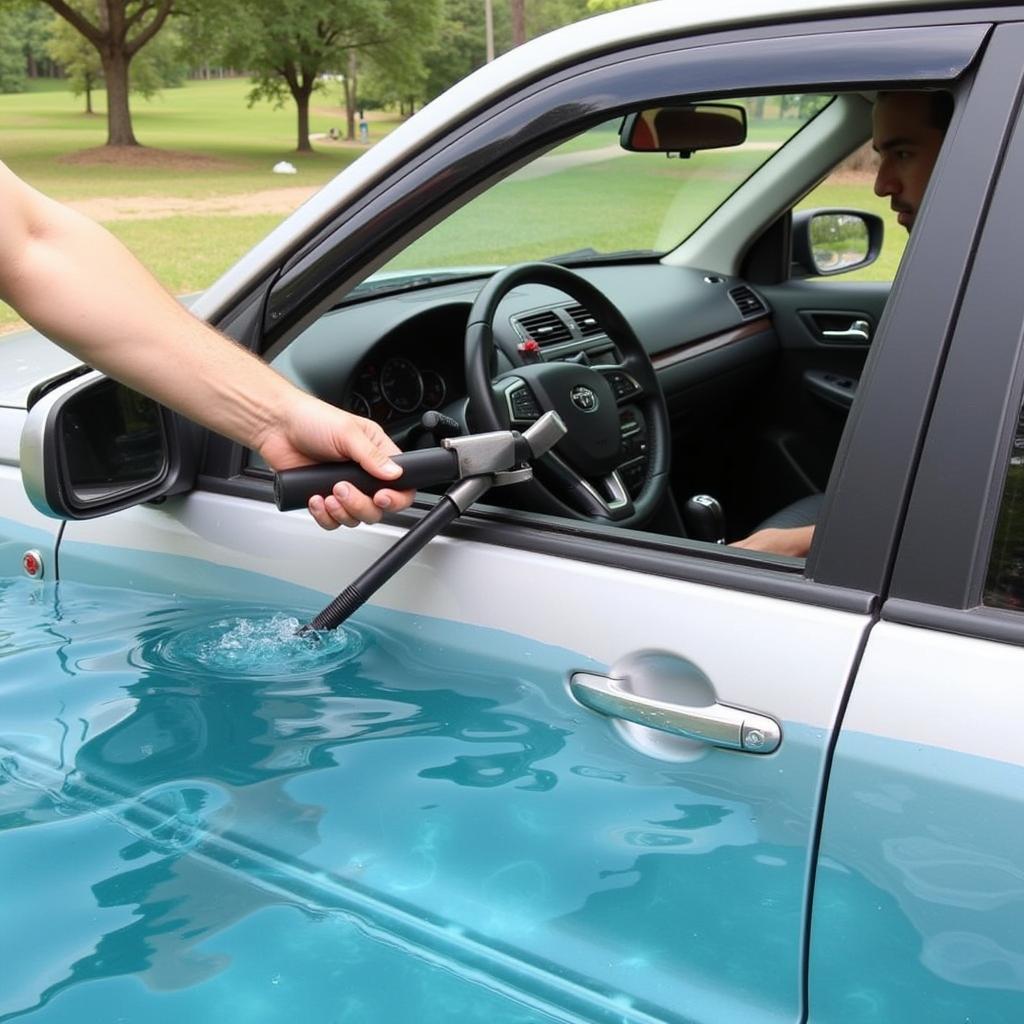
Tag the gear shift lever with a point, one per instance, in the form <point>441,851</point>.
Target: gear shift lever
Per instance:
<point>704,519</point>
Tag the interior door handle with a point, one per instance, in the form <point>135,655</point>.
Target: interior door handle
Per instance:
<point>859,330</point>
<point>718,724</point>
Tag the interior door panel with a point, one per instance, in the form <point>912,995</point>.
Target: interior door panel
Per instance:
<point>824,331</point>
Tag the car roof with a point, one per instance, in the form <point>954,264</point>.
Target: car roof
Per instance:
<point>565,46</point>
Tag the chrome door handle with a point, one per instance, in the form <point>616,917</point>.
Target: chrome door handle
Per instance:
<point>859,330</point>
<point>718,724</point>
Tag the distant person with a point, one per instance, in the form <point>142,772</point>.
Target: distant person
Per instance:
<point>909,128</point>
<point>76,283</point>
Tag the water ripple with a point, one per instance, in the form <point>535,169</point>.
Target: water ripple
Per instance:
<point>261,645</point>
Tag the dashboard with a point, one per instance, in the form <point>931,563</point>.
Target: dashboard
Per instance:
<point>394,357</point>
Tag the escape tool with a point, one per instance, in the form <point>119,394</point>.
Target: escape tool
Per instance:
<point>474,463</point>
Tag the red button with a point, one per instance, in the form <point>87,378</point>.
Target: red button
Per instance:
<point>31,563</point>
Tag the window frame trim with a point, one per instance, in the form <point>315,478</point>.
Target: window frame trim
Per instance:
<point>961,477</point>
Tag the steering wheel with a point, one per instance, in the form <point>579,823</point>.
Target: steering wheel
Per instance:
<point>613,464</point>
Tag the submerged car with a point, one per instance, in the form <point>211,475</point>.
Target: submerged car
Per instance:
<point>576,760</point>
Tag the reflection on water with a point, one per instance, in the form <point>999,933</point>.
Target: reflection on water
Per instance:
<point>407,819</point>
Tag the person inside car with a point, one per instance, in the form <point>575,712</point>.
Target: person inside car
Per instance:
<point>909,128</point>
<point>76,283</point>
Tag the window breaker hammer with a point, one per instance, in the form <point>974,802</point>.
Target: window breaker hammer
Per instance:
<point>475,462</point>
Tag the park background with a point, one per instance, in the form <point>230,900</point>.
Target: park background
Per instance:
<point>177,159</point>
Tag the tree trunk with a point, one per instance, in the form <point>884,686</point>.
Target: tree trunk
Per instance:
<point>351,96</point>
<point>119,116</point>
<point>88,94</point>
<point>302,105</point>
<point>518,8</point>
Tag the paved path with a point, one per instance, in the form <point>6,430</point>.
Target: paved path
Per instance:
<point>271,200</point>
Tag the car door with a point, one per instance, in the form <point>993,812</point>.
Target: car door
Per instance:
<point>920,879</point>
<point>28,540</point>
<point>448,791</point>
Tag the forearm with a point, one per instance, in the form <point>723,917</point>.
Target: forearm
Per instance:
<point>793,541</point>
<point>77,284</point>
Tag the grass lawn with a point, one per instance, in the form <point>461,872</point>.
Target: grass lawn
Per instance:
<point>218,146</point>
<point>189,253</point>
<point>234,147</point>
<point>40,131</point>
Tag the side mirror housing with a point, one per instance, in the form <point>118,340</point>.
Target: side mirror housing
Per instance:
<point>685,129</point>
<point>835,241</point>
<point>92,446</point>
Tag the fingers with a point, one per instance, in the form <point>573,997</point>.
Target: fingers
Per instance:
<point>372,449</point>
<point>393,501</point>
<point>318,510</point>
<point>346,506</point>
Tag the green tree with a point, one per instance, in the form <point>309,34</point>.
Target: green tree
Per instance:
<point>35,36</point>
<point>205,36</point>
<point>118,29</point>
<point>552,14</point>
<point>160,65</point>
<point>396,70</point>
<point>599,6</point>
<point>459,46</point>
<point>12,59</point>
<point>290,46</point>
<point>14,32</point>
<point>78,58</point>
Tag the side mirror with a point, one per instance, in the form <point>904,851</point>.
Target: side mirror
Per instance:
<point>827,242</point>
<point>684,129</point>
<point>92,446</point>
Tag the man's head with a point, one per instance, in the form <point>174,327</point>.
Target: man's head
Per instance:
<point>908,131</point>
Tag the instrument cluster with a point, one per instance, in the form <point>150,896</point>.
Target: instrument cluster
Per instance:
<point>395,387</point>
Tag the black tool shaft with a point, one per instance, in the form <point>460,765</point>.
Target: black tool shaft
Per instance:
<point>358,593</point>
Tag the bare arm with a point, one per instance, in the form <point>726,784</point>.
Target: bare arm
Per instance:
<point>78,285</point>
<point>794,541</point>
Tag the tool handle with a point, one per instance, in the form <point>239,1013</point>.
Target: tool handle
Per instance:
<point>423,468</point>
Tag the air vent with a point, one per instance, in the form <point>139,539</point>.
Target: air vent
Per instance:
<point>584,321</point>
<point>747,302</point>
<point>546,328</point>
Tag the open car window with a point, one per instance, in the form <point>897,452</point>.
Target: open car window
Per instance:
<point>748,384</point>
<point>591,199</point>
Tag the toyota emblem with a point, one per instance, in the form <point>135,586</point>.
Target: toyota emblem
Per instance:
<point>583,398</point>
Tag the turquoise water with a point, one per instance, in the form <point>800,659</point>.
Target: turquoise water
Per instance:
<point>204,817</point>
<point>919,896</point>
<point>151,852</point>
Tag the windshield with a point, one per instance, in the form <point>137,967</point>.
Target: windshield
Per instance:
<point>590,199</point>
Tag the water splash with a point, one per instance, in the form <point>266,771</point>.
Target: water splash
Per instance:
<point>256,645</point>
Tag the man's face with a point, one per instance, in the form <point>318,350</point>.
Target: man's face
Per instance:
<point>907,145</point>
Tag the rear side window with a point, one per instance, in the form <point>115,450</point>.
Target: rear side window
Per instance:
<point>1004,587</point>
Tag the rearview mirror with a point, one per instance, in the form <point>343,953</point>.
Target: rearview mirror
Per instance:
<point>684,129</point>
<point>93,446</point>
